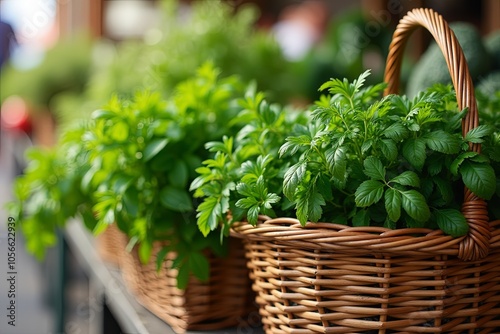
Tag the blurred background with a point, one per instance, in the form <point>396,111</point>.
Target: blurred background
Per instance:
<point>62,59</point>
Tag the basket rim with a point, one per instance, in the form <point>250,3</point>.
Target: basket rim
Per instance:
<point>288,232</point>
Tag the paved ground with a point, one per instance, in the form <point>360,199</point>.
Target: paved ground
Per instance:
<point>32,316</point>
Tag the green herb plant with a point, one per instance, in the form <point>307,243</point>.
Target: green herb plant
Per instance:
<point>245,176</point>
<point>361,160</point>
<point>144,152</point>
<point>49,191</point>
<point>131,164</point>
<point>389,161</point>
<point>488,99</point>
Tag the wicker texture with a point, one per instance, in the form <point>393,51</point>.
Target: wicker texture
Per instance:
<point>330,278</point>
<point>224,301</point>
<point>110,245</point>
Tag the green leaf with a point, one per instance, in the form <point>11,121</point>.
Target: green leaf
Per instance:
<point>337,162</point>
<point>452,222</point>
<point>271,198</point>
<point>178,176</point>
<point>407,178</point>
<point>479,178</point>
<point>368,193</point>
<point>101,225</point>
<point>366,146</point>
<point>324,187</point>
<point>414,152</point>
<point>374,168</point>
<point>103,114</point>
<point>293,177</point>
<point>445,189</point>
<point>455,165</point>
<point>130,202</point>
<point>415,205</point>
<point>131,243</point>
<point>443,142</point>
<point>361,218</point>
<point>87,178</point>
<point>208,215</point>
<point>253,214</point>
<point>119,132</point>
<point>393,204</point>
<point>198,182</point>
<point>302,209</point>
<point>226,146</point>
<point>176,199</point>
<point>89,219</point>
<point>481,158</point>
<point>435,164</point>
<point>160,257</point>
<point>122,183</point>
<point>477,134</point>
<point>309,202</point>
<point>183,276</point>
<point>316,201</point>
<point>412,223</point>
<point>153,148</point>
<point>244,189</point>
<point>109,218</point>
<point>199,266</point>
<point>145,249</point>
<point>293,144</point>
<point>396,132</point>
<point>389,149</point>
<point>247,203</point>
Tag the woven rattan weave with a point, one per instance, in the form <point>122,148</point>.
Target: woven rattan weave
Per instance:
<point>110,245</point>
<point>225,300</point>
<point>330,278</point>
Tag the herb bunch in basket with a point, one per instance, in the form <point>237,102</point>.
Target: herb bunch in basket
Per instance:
<point>131,165</point>
<point>245,176</point>
<point>360,160</point>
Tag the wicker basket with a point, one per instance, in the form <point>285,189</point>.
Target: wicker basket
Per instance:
<point>110,245</point>
<point>329,278</point>
<point>225,301</point>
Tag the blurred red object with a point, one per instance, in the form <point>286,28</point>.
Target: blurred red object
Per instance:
<point>15,115</point>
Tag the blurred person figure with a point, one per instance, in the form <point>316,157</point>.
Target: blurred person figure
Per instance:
<point>7,41</point>
<point>301,26</point>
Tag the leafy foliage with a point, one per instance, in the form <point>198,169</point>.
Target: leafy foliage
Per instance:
<point>400,159</point>
<point>50,191</point>
<point>184,40</point>
<point>148,149</point>
<point>488,98</point>
<point>132,165</point>
<point>359,159</point>
<point>245,176</point>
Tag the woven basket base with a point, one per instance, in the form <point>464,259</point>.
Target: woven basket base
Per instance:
<point>305,287</point>
<point>225,301</point>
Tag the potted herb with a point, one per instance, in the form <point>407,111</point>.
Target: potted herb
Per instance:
<point>245,176</point>
<point>401,239</point>
<point>144,152</point>
<point>131,167</point>
<point>370,164</point>
<point>360,160</point>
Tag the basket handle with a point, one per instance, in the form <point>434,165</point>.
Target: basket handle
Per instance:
<point>476,244</point>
